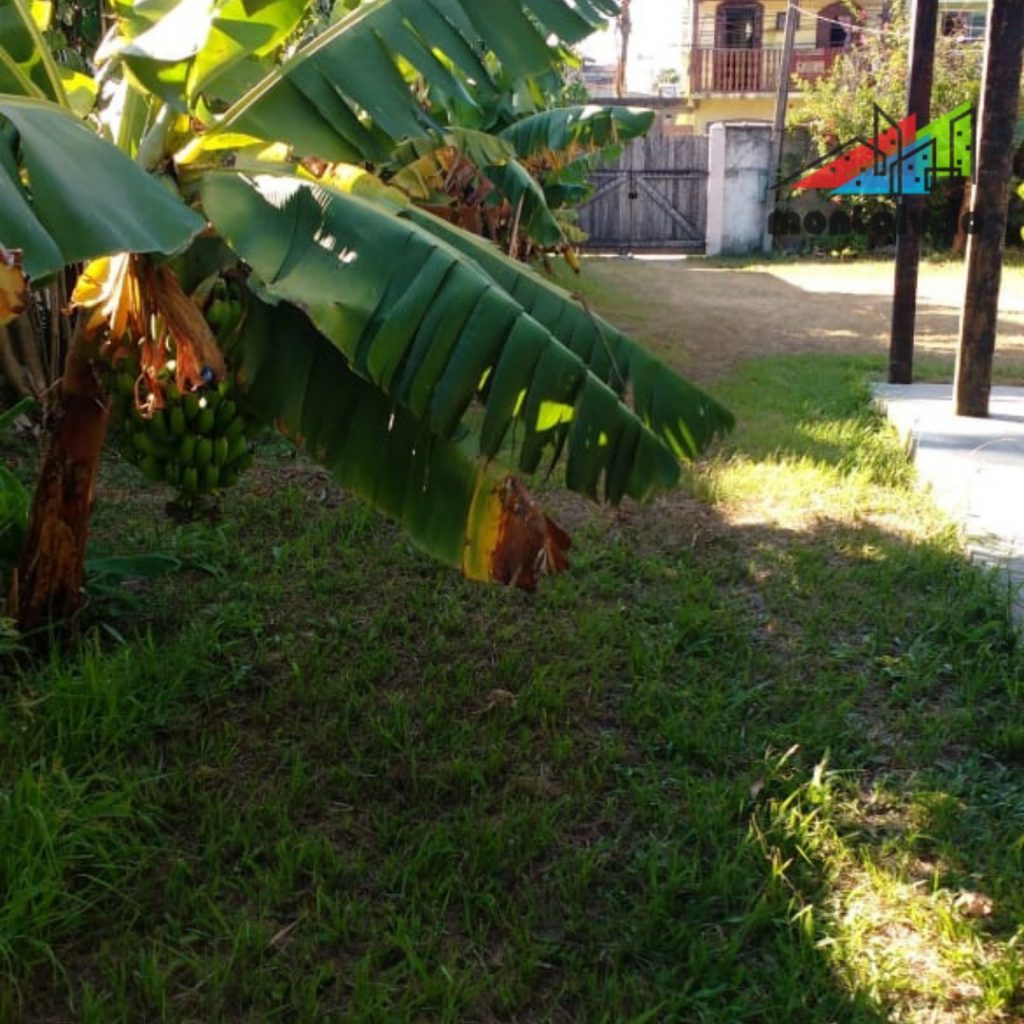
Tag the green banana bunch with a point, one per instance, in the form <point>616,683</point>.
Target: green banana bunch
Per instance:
<point>197,443</point>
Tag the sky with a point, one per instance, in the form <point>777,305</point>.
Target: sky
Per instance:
<point>654,44</point>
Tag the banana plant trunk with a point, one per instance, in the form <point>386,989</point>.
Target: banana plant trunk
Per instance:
<point>52,567</point>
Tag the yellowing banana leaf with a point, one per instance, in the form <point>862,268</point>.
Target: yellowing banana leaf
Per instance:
<point>87,197</point>
<point>463,511</point>
<point>480,148</point>
<point>421,165</point>
<point>427,326</point>
<point>525,162</point>
<point>683,416</point>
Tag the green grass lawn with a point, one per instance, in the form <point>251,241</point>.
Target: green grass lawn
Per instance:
<point>757,757</point>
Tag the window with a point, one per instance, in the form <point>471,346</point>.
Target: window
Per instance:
<point>740,27</point>
<point>737,63</point>
<point>780,20</point>
<point>964,25</point>
<point>836,26</point>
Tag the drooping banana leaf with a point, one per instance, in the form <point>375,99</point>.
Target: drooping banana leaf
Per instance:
<point>427,326</point>
<point>450,504</point>
<point>86,199</point>
<point>683,416</point>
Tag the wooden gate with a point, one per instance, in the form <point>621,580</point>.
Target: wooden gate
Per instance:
<point>654,197</point>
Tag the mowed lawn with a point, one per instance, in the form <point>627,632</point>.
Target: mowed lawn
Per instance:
<point>757,757</point>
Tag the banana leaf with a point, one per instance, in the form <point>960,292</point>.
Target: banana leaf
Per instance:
<point>560,140</point>
<point>26,66</point>
<point>194,44</point>
<point>448,502</point>
<point>681,415</point>
<point>565,140</point>
<point>564,129</point>
<point>429,328</point>
<point>417,165</point>
<point>87,198</point>
<point>526,194</point>
<point>345,95</point>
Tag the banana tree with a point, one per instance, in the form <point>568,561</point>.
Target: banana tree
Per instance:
<point>517,183</point>
<point>410,357</point>
<point>514,168</point>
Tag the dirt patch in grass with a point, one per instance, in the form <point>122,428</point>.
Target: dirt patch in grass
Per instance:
<point>707,318</point>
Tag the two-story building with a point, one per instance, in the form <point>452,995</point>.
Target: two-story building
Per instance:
<point>733,50</point>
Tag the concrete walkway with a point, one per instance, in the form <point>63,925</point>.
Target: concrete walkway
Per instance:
<point>975,468</point>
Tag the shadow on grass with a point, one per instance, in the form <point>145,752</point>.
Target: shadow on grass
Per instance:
<point>720,772</point>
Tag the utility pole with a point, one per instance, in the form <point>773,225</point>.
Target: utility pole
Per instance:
<point>781,102</point>
<point>624,25</point>
<point>1004,45</point>
<point>925,18</point>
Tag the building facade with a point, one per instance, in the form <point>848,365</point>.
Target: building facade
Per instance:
<point>733,50</point>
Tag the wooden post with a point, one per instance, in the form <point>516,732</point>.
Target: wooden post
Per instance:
<point>695,48</point>
<point>779,127</point>
<point>997,122</point>
<point>624,24</point>
<point>910,214</point>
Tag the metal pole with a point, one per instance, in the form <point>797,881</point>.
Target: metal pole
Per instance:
<point>911,208</point>
<point>997,121</point>
<point>779,127</point>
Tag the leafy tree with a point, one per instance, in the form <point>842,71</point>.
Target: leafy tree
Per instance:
<point>840,105</point>
<point>225,183</point>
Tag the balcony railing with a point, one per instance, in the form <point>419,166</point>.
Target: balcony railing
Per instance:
<point>757,70</point>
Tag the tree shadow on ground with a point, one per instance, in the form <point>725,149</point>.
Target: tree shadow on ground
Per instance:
<point>874,721</point>
<point>702,777</point>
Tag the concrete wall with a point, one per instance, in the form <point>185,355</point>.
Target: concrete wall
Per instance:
<point>739,159</point>
<point>731,108</point>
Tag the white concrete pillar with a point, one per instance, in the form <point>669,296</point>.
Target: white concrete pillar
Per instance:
<point>739,163</point>
<point>715,229</point>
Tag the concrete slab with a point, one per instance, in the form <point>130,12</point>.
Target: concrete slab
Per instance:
<point>974,467</point>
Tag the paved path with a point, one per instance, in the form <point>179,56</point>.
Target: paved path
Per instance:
<point>975,468</point>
